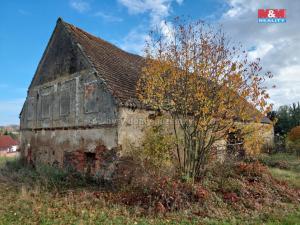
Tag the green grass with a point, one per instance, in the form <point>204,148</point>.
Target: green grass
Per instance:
<point>289,176</point>
<point>290,160</point>
<point>3,160</point>
<point>284,167</point>
<point>46,196</point>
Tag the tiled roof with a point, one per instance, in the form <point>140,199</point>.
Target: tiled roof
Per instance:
<point>119,69</point>
<point>6,141</point>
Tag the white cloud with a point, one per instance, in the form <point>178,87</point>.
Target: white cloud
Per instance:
<point>166,29</point>
<point>179,2</point>
<point>240,7</point>
<point>261,50</point>
<point>158,7</point>
<point>108,17</point>
<point>278,45</point>
<point>134,41</point>
<point>80,5</point>
<point>158,11</point>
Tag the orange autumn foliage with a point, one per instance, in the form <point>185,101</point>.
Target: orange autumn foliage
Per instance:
<point>294,134</point>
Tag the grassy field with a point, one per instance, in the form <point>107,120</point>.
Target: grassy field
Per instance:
<point>284,167</point>
<point>45,201</point>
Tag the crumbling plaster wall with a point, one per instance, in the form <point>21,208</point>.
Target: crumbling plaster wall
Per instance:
<point>132,124</point>
<point>77,100</point>
<point>73,114</point>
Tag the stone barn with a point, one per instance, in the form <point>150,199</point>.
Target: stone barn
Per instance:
<point>81,104</point>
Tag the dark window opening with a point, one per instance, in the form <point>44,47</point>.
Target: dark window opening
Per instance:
<point>235,144</point>
<point>90,158</point>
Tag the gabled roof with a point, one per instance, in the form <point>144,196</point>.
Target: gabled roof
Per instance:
<point>120,70</point>
<point>6,141</point>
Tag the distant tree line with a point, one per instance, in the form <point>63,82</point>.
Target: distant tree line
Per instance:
<point>9,133</point>
<point>287,116</point>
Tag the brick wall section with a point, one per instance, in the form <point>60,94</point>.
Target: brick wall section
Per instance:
<point>88,162</point>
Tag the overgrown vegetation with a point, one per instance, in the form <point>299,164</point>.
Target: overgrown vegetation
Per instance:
<point>42,176</point>
<point>210,90</point>
<point>293,141</point>
<point>205,83</point>
<point>231,193</point>
<point>155,154</point>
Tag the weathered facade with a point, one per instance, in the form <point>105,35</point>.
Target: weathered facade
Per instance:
<point>78,111</point>
<point>74,101</point>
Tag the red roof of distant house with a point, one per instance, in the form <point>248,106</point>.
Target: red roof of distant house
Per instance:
<point>6,141</point>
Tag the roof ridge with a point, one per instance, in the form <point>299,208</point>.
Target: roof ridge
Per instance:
<point>118,69</point>
<point>88,58</point>
<point>89,35</point>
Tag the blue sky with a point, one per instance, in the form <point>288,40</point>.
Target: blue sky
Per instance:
<point>26,26</point>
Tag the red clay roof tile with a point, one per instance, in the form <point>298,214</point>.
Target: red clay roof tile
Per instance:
<point>7,141</point>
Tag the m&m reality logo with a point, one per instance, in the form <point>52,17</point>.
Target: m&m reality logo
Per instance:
<point>271,15</point>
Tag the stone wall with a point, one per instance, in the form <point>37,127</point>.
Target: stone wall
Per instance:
<point>71,101</point>
<point>131,126</point>
<point>65,121</point>
<point>81,149</point>
<point>133,123</point>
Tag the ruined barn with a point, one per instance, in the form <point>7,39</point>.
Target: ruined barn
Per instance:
<point>81,108</point>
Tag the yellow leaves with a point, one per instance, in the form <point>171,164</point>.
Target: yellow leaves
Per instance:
<point>196,74</point>
<point>205,109</point>
<point>255,135</point>
<point>233,67</point>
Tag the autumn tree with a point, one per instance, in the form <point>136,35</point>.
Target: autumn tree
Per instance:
<point>205,83</point>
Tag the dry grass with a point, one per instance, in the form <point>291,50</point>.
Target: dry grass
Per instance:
<point>48,196</point>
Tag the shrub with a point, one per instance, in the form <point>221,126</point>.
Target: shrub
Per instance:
<point>293,146</point>
<point>294,134</point>
<point>156,151</point>
<point>293,141</point>
<point>253,170</point>
<point>164,194</point>
<point>231,185</point>
<point>279,141</point>
<point>47,177</point>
